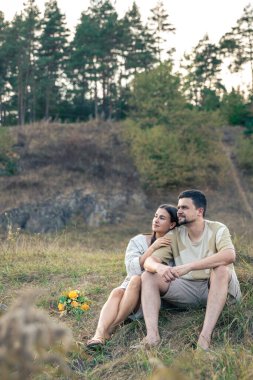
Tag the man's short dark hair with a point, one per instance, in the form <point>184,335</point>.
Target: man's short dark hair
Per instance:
<point>198,198</point>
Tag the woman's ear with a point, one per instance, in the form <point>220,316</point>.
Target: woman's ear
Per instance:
<point>172,225</point>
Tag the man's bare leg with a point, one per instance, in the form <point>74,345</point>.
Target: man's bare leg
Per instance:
<point>215,303</point>
<point>152,287</point>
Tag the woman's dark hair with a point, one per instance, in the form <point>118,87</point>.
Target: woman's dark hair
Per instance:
<point>172,211</point>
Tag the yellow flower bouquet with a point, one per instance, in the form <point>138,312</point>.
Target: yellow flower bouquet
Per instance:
<point>73,302</point>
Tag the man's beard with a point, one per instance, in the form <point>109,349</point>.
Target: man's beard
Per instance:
<point>184,221</point>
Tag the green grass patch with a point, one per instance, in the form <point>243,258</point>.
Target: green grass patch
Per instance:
<point>94,264</point>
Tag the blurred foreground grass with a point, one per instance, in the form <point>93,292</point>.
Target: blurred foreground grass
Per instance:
<point>93,261</point>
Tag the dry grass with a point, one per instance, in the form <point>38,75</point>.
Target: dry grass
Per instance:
<point>92,261</point>
<point>59,158</point>
<point>30,340</point>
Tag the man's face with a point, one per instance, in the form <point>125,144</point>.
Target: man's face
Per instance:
<point>187,212</point>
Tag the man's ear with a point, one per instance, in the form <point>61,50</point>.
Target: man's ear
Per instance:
<point>201,211</point>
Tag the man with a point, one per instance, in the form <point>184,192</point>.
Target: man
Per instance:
<point>203,274</point>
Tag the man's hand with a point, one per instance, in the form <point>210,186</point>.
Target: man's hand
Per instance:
<point>161,242</point>
<point>166,272</point>
<point>180,270</point>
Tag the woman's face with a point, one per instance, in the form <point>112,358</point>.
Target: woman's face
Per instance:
<point>161,222</point>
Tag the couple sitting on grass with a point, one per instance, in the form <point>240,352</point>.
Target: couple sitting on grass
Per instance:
<point>187,262</point>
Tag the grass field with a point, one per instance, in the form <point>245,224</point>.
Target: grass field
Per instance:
<point>93,261</point>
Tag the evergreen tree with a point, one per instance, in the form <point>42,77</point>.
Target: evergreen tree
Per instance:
<point>95,50</point>
<point>81,70</point>
<point>31,30</point>
<point>21,43</point>
<point>3,70</point>
<point>238,43</point>
<point>53,52</point>
<point>139,51</point>
<point>160,26</point>
<point>202,66</point>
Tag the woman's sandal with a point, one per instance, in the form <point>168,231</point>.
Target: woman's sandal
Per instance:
<point>96,342</point>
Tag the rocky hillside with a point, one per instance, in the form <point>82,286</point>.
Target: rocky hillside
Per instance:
<point>66,172</point>
<point>83,173</point>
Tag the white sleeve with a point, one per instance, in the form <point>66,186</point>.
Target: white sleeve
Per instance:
<point>132,257</point>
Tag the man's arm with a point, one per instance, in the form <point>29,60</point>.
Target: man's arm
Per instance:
<point>157,244</point>
<point>224,257</point>
<point>154,265</point>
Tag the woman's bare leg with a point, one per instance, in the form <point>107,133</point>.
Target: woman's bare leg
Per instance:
<point>129,301</point>
<point>108,314</point>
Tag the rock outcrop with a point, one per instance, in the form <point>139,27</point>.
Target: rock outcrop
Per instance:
<point>53,215</point>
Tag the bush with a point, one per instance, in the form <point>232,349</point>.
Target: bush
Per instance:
<point>186,156</point>
<point>156,97</point>
<point>234,108</point>
<point>8,165</point>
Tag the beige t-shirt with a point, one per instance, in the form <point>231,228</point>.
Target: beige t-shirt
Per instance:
<point>215,238</point>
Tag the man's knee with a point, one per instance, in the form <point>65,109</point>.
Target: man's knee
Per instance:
<point>150,279</point>
<point>147,277</point>
<point>221,272</point>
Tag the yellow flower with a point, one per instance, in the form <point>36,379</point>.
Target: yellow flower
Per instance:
<point>85,306</point>
<point>61,306</point>
<point>73,294</point>
<point>75,304</point>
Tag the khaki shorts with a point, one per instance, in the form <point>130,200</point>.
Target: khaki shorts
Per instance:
<point>193,293</point>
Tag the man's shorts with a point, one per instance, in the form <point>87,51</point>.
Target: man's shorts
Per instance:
<point>186,294</point>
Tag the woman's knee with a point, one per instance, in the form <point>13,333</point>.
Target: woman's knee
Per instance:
<point>135,282</point>
<point>117,293</point>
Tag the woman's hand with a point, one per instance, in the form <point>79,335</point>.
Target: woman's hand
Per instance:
<point>161,242</point>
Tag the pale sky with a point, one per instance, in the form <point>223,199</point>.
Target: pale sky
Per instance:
<point>191,18</point>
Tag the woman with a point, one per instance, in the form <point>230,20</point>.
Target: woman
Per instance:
<point>125,299</point>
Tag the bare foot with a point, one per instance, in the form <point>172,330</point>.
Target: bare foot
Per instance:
<point>151,342</point>
<point>145,344</point>
<point>204,342</point>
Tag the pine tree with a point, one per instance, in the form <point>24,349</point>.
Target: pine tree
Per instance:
<point>160,26</point>
<point>238,43</point>
<point>3,70</point>
<point>202,66</point>
<point>139,51</point>
<point>21,42</point>
<point>52,60</point>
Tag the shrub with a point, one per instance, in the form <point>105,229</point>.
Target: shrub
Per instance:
<point>234,108</point>
<point>189,155</point>
<point>8,159</point>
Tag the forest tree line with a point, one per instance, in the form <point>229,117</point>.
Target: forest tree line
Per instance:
<point>47,73</point>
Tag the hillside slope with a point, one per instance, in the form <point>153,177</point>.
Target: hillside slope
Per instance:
<point>68,170</point>
<point>89,167</point>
